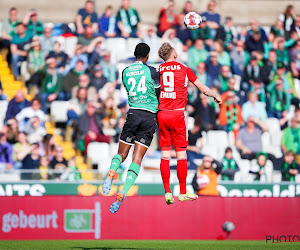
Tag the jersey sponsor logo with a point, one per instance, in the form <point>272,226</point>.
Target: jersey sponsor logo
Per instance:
<point>135,67</point>
<point>170,95</point>
<point>170,67</point>
<point>135,73</point>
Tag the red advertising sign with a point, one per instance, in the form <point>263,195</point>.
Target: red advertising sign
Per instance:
<point>146,217</point>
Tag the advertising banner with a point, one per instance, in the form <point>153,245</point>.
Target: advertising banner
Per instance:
<point>146,217</point>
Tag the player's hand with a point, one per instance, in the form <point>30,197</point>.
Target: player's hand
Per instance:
<point>218,100</point>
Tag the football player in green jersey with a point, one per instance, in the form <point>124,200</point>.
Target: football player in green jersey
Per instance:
<point>142,84</point>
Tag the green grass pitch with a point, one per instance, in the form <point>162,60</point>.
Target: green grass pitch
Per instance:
<point>144,245</point>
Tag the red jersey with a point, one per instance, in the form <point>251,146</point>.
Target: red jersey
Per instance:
<point>174,79</point>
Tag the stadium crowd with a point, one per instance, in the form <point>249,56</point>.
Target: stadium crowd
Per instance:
<point>256,72</point>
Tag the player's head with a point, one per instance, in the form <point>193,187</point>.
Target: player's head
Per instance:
<point>141,52</point>
<point>167,52</point>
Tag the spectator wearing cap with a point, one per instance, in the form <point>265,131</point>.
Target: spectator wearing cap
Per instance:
<point>269,67</point>
<point>84,82</point>
<point>289,167</point>
<point>3,97</point>
<point>239,57</point>
<point>33,24</point>
<point>60,56</point>
<point>254,108</point>
<point>27,113</point>
<point>51,89</point>
<point>167,17</point>
<point>77,106</point>
<point>18,148</point>
<point>213,68</point>
<point>15,105</point>
<point>34,130</point>
<point>128,20</point>
<point>280,101</point>
<point>109,68</point>
<point>295,60</point>
<point>290,140</point>
<point>107,23</point>
<point>86,17</point>
<point>154,43</point>
<point>251,71</point>
<point>17,47</point>
<point>47,40</point>
<point>183,33</point>
<point>196,54</point>
<point>79,55</point>
<point>226,33</point>
<point>35,58</point>
<point>203,33</point>
<point>213,18</point>
<point>98,80</point>
<point>72,79</point>
<point>254,42</point>
<point>90,126</point>
<point>6,152</point>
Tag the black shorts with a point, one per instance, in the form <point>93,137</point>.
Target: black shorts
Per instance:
<point>139,127</point>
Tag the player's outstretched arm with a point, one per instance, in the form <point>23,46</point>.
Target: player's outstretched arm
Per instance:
<point>207,91</point>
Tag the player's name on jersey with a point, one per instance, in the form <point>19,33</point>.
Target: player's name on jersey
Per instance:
<point>170,67</point>
<point>135,73</point>
<point>171,95</point>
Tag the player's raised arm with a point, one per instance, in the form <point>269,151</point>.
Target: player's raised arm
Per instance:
<point>207,91</point>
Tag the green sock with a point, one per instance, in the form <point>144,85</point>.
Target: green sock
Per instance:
<point>116,162</point>
<point>132,174</point>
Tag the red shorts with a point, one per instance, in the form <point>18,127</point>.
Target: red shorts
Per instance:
<point>172,130</point>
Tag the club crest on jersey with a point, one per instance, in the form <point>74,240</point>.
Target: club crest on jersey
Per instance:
<point>170,67</point>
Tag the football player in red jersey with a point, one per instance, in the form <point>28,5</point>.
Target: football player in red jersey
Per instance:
<point>171,118</point>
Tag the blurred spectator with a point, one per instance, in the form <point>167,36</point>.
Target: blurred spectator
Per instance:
<point>51,89</point>
<point>226,33</point>
<point>87,17</point>
<point>47,146</point>
<point>213,68</point>
<point>12,131</point>
<point>297,25</point>
<point>269,45</point>
<point>195,137</point>
<point>96,52</point>
<point>295,60</point>
<point>60,56</point>
<point>223,56</point>
<point>229,167</point>
<point>239,95</point>
<point>258,169</point>
<point>87,37</point>
<point>109,68</point>
<point>19,40</point>
<point>119,127</point>
<point>58,163</point>
<point>277,30</point>
<point>170,37</point>
<point>188,7</point>
<point>35,130</point>
<point>251,71</point>
<point>90,126</point>
<point>109,122</point>
<point>3,97</point>
<point>71,173</point>
<point>205,181</point>
<point>35,59</point>
<point>77,106</point>
<point>287,18</point>
<point>269,67</point>
<point>290,140</point>
<point>79,55</point>
<point>254,108</point>
<point>44,173</point>
<point>288,167</point>
<point>254,27</point>
<point>128,20</point>
<point>279,100</point>
<point>9,26</point>
<point>47,40</point>
<point>109,90</point>
<point>98,80</point>
<point>167,17</point>
<point>153,41</point>
<point>29,112</point>
<point>6,152</point>
<point>255,42</point>
<point>243,33</point>
<point>107,23</point>
<point>203,33</point>
<point>239,57</point>
<point>223,79</point>
<point>196,54</point>
<point>18,148</point>
<point>84,82</point>
<point>230,115</point>
<point>213,18</point>
<point>282,53</point>
<point>31,160</point>
<point>183,33</point>
<point>72,79</point>
<point>33,25</point>
<point>249,139</point>
<point>202,75</point>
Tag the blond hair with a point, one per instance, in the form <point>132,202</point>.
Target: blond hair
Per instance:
<point>165,51</point>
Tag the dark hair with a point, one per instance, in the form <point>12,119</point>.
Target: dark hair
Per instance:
<point>228,149</point>
<point>141,50</point>
<point>198,121</point>
<point>12,8</point>
<point>36,100</point>
<point>46,141</point>
<point>290,153</point>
